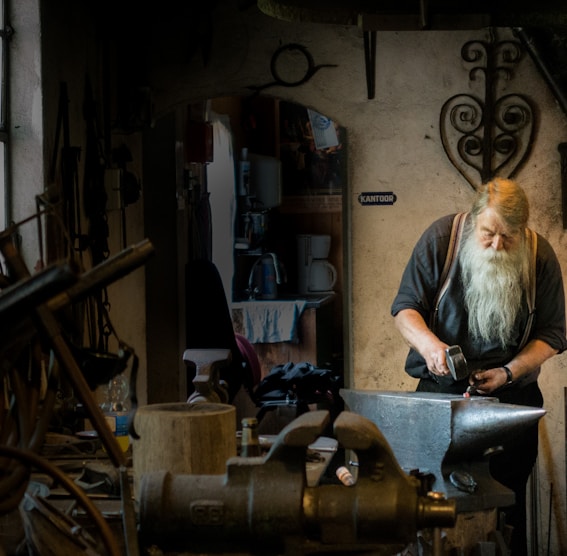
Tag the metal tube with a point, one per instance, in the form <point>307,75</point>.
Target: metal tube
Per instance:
<point>18,300</point>
<point>529,44</point>
<point>105,273</point>
<point>437,549</point>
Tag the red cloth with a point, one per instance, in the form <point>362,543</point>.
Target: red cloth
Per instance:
<point>249,355</point>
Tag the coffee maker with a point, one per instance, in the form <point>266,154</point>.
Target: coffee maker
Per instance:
<point>315,274</point>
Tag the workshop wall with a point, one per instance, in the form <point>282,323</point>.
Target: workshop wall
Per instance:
<point>394,146</point>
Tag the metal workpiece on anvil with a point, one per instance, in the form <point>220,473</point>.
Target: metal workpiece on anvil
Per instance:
<point>448,436</point>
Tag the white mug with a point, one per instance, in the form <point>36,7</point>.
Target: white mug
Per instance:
<point>322,276</point>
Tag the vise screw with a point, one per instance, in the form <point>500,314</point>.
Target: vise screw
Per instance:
<point>263,504</point>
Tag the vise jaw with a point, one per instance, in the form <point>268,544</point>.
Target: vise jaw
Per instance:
<point>207,365</point>
<point>263,504</point>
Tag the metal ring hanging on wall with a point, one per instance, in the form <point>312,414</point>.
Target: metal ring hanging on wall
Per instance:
<point>292,47</point>
<point>311,67</point>
<point>285,49</point>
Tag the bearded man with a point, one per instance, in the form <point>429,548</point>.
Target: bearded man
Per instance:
<point>483,306</point>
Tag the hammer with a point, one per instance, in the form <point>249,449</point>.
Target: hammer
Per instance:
<point>456,362</point>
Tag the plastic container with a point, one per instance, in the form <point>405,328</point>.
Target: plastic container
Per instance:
<point>244,174</point>
<point>116,409</point>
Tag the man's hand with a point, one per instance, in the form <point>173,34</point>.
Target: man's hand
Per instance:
<point>487,381</point>
<point>435,358</point>
<point>418,336</point>
<point>534,354</point>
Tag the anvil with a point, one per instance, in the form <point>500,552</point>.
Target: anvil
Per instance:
<point>448,436</point>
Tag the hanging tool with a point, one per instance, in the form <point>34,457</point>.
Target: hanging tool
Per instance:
<point>129,186</point>
<point>69,175</point>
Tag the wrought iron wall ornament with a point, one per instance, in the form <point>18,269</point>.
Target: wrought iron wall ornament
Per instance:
<point>489,137</point>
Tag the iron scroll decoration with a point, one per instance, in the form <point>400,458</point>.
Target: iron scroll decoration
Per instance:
<point>485,138</point>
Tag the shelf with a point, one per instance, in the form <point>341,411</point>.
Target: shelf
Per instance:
<point>311,204</point>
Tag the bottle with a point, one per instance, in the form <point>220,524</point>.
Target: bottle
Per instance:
<point>269,287</point>
<point>116,409</point>
<point>244,174</point>
<point>250,446</point>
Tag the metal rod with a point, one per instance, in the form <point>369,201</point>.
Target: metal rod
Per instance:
<point>529,44</point>
<point>535,510</point>
<point>437,549</point>
<point>562,148</point>
<point>105,273</point>
<point>370,60</point>
<point>19,299</point>
<point>129,523</point>
<point>549,517</point>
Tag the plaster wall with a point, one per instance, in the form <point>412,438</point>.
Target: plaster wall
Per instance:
<point>52,45</point>
<point>394,145</point>
<point>25,166</point>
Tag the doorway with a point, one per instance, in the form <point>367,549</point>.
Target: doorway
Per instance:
<point>165,190</point>
<point>313,180</point>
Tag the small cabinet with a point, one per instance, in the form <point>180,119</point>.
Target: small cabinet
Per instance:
<point>314,336</point>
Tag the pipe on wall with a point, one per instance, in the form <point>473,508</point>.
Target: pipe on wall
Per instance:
<point>529,44</point>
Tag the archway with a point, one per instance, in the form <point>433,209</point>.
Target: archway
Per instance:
<point>313,205</point>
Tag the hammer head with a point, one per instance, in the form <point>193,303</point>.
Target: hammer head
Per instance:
<point>456,362</point>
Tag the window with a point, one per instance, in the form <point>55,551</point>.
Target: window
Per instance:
<point>5,34</point>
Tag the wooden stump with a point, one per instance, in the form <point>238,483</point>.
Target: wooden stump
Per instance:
<point>183,439</point>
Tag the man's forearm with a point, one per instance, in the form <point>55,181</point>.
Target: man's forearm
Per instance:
<point>417,334</point>
<point>530,358</point>
<point>414,330</point>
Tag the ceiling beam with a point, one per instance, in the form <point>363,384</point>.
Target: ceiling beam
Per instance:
<point>408,15</point>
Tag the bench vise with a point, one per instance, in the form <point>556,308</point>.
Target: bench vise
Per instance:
<point>264,505</point>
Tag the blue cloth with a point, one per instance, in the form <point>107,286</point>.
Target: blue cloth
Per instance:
<point>266,322</point>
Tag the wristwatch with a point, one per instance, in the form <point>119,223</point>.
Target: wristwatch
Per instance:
<point>509,376</point>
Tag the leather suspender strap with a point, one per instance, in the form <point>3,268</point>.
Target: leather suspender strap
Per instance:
<point>452,250</point>
<point>454,240</point>
<point>531,289</point>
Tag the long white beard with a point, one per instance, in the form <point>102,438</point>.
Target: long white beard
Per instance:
<point>494,284</point>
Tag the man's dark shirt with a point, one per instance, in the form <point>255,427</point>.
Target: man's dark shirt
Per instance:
<point>419,285</point>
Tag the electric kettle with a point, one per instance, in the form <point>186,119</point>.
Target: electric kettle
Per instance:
<point>322,276</point>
